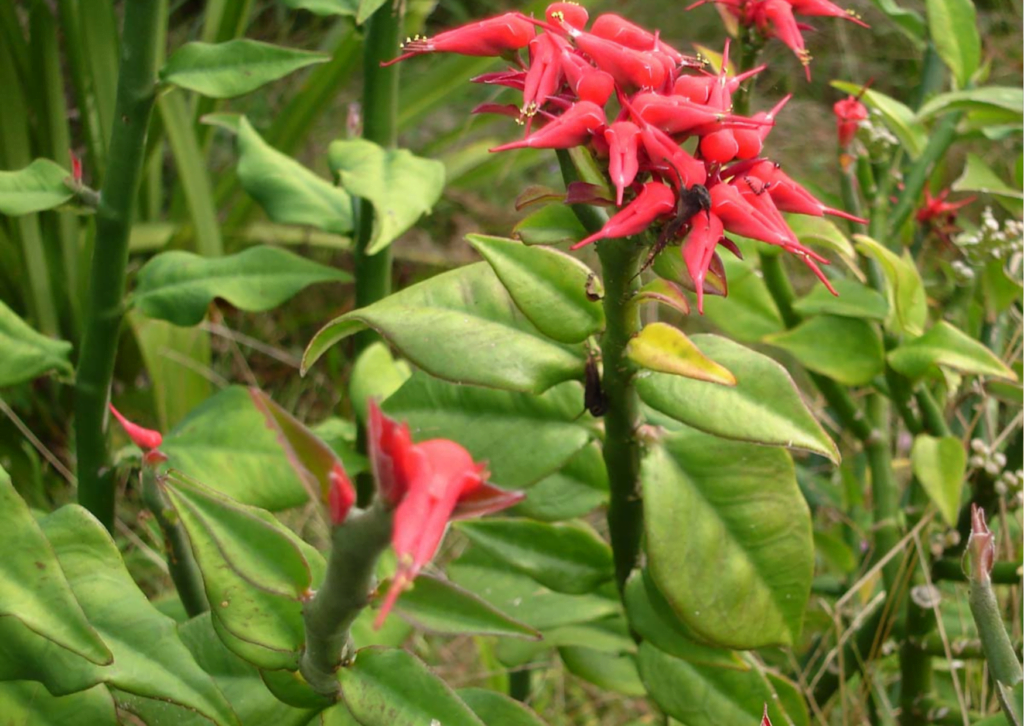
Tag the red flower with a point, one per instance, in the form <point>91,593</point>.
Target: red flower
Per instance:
<point>341,495</point>
<point>654,200</point>
<point>572,128</point>
<point>430,483</point>
<point>491,37</point>
<point>849,113</point>
<point>938,208</point>
<point>623,139</point>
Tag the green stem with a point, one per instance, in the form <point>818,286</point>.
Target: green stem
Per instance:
<point>136,92</point>
<point>343,594</point>
<point>180,562</point>
<point>931,413</point>
<point>995,641</point>
<point>884,488</point>
<point>519,684</point>
<point>1003,573</point>
<point>620,261</point>
<point>380,125</point>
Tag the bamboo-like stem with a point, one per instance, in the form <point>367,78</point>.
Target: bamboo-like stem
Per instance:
<point>344,593</point>
<point>136,92</point>
<point>1003,573</point>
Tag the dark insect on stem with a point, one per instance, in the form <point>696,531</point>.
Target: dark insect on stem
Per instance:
<point>593,395</point>
<point>692,201</point>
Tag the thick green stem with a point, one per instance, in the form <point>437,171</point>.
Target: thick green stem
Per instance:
<point>1003,573</point>
<point>620,261</point>
<point>380,125</point>
<point>136,92</point>
<point>343,594</point>
<point>915,665</point>
<point>995,641</point>
<point>180,562</point>
<point>884,488</point>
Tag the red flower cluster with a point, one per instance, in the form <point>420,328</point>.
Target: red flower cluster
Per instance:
<point>849,113</point>
<point>429,484</point>
<point>776,19</point>
<point>662,99</point>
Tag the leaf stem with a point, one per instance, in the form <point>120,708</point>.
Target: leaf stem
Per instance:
<point>136,92</point>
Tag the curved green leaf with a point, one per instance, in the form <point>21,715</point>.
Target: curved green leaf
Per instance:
<point>764,406</point>
<point>728,538</point>
<point>27,702</point>
<point>820,232</point>
<point>36,188</point>
<point>385,687</point>
<point>402,187</point>
<point>748,313</point>
<point>558,293</point>
<point>977,176</point>
<point>26,353</point>
<point>234,68</point>
<point>289,192</point>
<point>855,300</point>
<point>179,286</point>
<point>225,443</point>
<point>939,464</point>
<point>574,490</point>
<point>497,708</point>
<point>440,606</point>
<point>848,350</point>
<point>485,421</point>
<point>550,225</point>
<point>946,346</point>
<point>908,307</point>
<point>461,326</point>
<point>615,672</point>
<point>567,558</point>
<point>33,588</point>
<point>1000,98</point>
<point>953,27</point>
<point>666,349</point>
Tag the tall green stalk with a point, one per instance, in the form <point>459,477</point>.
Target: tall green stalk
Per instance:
<point>136,93</point>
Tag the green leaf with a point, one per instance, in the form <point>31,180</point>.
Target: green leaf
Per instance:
<point>666,349</point>
<point>664,293</point>
<point>908,307</point>
<point>485,421</point>
<point>764,406</point>
<point>289,192</point>
<point>608,671</point>
<point>324,7</point>
<point>728,538</point>
<point>567,558</point>
<point>979,177</point>
<point>939,464</point>
<point>999,98</point>
<point>36,188</point>
<point>26,353</point>
<point>521,597</point>
<point>558,293</point>
<point>855,300</point>
<point>375,374</point>
<point>848,350</point>
<point>27,702</point>
<point>748,313</point>
<point>946,346</point>
<point>486,340</point>
<point>550,225</point>
<point>234,68</point>
<point>497,708</point>
<point>903,122</point>
<point>33,588</point>
<point>440,606</point>
<point>820,232</point>
<point>910,22</point>
<point>384,687</point>
<point>572,491</point>
<point>179,286</point>
<point>149,659</point>
<point>953,27</point>
<point>402,187</point>
<point>226,444</point>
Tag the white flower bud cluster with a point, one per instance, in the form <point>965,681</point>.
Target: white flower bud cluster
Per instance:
<point>992,240</point>
<point>962,272</point>
<point>994,464</point>
<point>876,136</point>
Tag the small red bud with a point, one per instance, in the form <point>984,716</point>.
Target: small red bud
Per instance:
<point>340,495</point>
<point>144,438</point>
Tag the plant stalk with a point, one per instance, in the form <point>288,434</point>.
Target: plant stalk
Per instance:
<point>136,92</point>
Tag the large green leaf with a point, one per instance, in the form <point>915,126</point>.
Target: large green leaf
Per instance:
<point>33,588</point>
<point>572,491</point>
<point>567,558</point>
<point>615,672</point>
<point>24,703</point>
<point>521,597</point>
<point>441,606</point>
<point>908,307</point>
<point>728,538</point>
<point>558,293</point>
<point>485,421</point>
<point>946,346</point>
<point>225,443</point>
<point>254,570</point>
<point>36,188</point>
<point>855,300</point>
<point>848,350</point>
<point>289,192</point>
<point>910,22</point>
<point>496,708</point>
<point>764,406</point>
<point>979,177</point>
<point>385,687</point>
<point>953,27</point>
<point>234,68</point>
<point>748,313</point>
<point>1009,99</point>
<point>26,353</point>
<point>402,187</point>
<point>461,326</point>
<point>898,117</point>
<point>179,286</point>
<point>149,660</point>
<point>549,225</point>
<point>939,464</point>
